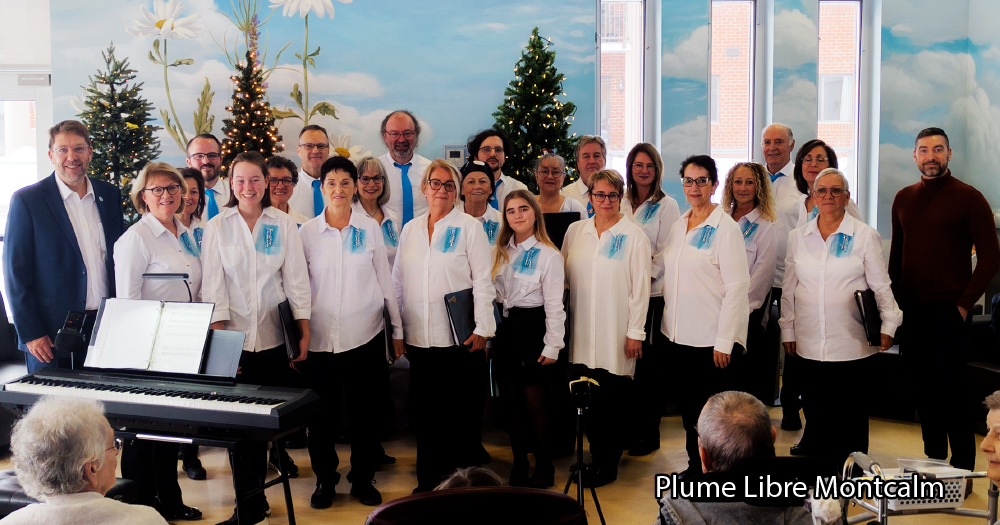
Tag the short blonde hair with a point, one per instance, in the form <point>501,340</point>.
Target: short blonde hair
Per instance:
<point>611,177</point>
<point>154,168</point>
<point>444,165</point>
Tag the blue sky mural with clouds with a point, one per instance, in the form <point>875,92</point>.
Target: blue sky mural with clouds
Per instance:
<point>796,54</point>
<point>448,61</point>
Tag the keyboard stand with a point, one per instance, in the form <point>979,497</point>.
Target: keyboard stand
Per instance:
<point>230,446</point>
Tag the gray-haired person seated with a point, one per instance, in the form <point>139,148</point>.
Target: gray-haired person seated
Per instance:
<point>65,454</point>
<point>732,426</point>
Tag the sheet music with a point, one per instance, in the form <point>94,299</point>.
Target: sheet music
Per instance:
<point>126,334</point>
<point>181,336</point>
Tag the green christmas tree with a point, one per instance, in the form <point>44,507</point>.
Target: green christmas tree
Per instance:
<point>118,118</point>
<point>251,127</point>
<point>532,115</point>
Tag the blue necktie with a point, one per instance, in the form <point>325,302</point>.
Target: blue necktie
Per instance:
<point>317,198</point>
<point>213,207</point>
<point>493,198</point>
<point>407,191</point>
<point>776,175</point>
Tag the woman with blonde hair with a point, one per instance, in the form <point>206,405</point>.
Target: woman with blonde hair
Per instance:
<point>748,199</point>
<point>529,277</point>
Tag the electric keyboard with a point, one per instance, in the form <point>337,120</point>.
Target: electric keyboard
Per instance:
<point>179,407</point>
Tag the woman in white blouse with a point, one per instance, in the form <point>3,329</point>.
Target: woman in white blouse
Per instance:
<point>372,196</point>
<point>814,157</point>
<point>705,290</point>
<point>529,278</point>
<point>193,204</point>
<point>828,260</point>
<point>253,261</point>
<point>608,272</point>
<point>282,178</point>
<point>441,252</point>
<point>550,173</point>
<point>477,189</point>
<point>351,284</point>
<point>748,199</point>
<point>654,212</point>
<point>158,243</point>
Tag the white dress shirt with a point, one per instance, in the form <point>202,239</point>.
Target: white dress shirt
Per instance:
<point>89,230</point>
<point>83,508</point>
<point>415,174</point>
<point>148,247</point>
<point>296,217</point>
<point>806,216</point>
<point>761,247</point>
<point>302,197</point>
<point>533,277</point>
<point>247,274</point>
<point>706,284</point>
<point>222,192</point>
<point>579,192</point>
<point>570,204</point>
<point>608,278</point>
<point>786,197</point>
<point>818,309</point>
<point>390,229</point>
<point>457,257</point>
<point>351,283</point>
<point>505,185</point>
<point>655,219</point>
<point>491,220</point>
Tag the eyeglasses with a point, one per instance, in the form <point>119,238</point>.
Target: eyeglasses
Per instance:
<point>485,150</point>
<point>643,167</point>
<point>700,181</point>
<point>203,156</point>
<point>284,181</point>
<point>819,159</point>
<point>599,197</point>
<point>158,191</point>
<point>377,179</point>
<point>395,134</point>
<point>79,150</point>
<point>117,446</point>
<point>550,172</point>
<point>317,147</point>
<point>836,192</point>
<point>436,185</point>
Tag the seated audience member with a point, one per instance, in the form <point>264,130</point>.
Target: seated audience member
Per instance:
<point>65,455</point>
<point>464,478</point>
<point>989,446</point>
<point>733,425</point>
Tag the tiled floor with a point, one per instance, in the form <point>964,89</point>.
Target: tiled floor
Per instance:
<point>627,501</point>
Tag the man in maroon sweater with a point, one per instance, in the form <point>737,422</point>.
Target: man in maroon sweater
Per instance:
<point>935,225</point>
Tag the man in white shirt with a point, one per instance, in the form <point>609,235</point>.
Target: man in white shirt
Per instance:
<point>492,146</point>
<point>591,157</point>
<point>65,455</point>
<point>404,168</point>
<point>313,150</point>
<point>204,153</point>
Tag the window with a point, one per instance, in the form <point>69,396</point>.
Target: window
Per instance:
<point>839,56</point>
<point>731,94</point>
<point>622,47</point>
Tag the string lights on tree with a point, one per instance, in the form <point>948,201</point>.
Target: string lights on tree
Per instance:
<point>532,114</point>
<point>251,126</point>
<point>118,119</point>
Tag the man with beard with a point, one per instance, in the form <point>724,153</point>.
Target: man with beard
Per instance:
<point>313,150</point>
<point>400,132</point>
<point>492,147</point>
<point>936,222</point>
<point>204,154</point>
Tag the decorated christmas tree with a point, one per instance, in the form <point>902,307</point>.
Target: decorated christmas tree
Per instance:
<point>532,115</point>
<point>251,127</point>
<point>118,119</point>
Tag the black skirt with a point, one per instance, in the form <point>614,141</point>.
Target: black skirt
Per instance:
<point>519,342</point>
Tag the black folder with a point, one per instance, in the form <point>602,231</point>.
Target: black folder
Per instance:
<point>462,314</point>
<point>390,351</point>
<point>289,328</point>
<point>870,317</point>
<point>556,225</point>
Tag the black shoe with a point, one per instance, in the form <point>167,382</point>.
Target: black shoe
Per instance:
<point>183,513</point>
<point>544,476</point>
<point>233,520</point>
<point>290,468</point>
<point>597,476</point>
<point>366,493</point>
<point>791,423</point>
<point>322,497</point>
<point>643,448</point>
<point>519,473</point>
<point>421,489</point>
<point>386,459</point>
<point>689,473</point>
<point>194,470</point>
<point>798,450</point>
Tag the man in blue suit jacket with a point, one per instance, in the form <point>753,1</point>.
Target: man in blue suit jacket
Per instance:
<point>58,249</point>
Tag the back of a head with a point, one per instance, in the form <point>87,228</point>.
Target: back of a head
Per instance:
<point>732,426</point>
<point>53,441</point>
<point>464,478</point>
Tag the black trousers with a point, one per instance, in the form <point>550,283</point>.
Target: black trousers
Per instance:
<point>359,374</point>
<point>153,466</point>
<point>835,407</point>
<point>442,385</point>
<point>608,419</point>
<point>267,368</point>
<point>760,368</point>
<point>934,345</point>
<point>650,371</point>
<point>697,380</point>
<point>791,391</point>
